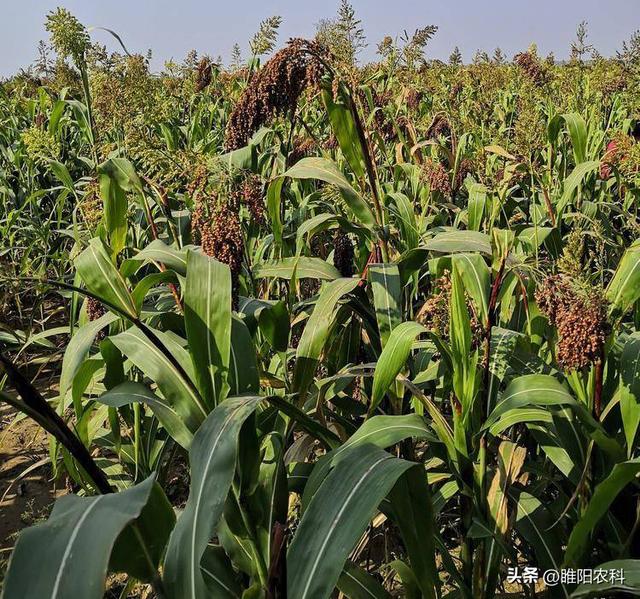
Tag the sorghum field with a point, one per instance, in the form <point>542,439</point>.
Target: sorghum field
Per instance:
<point>306,327</point>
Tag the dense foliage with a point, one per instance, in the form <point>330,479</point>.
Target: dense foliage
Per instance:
<point>380,323</point>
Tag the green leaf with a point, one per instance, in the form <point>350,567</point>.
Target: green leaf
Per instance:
<point>243,365</point>
<point>573,182</point>
<point>62,173</point>
<point>381,431</point>
<point>177,391</point>
<point>344,128</point>
<point>327,171</point>
<point>631,583</point>
<point>131,392</point>
<point>406,220</point>
<point>158,251</point>
<point>242,159</point>
<point>460,241</point>
<point>535,523</point>
<point>302,267</point>
<point>624,288</point>
<point>531,238</point>
<point>103,279</point>
<point>68,555</point>
<point>143,287</point>
<point>355,583</point>
<point>317,331</point>
<point>123,173</point>
<point>275,325</point>
<point>476,277</point>
<point>328,438</point>
<point>212,458</point>
<point>413,513</point>
<point>116,177</point>
<point>530,390</point>
<point>392,359</point>
<point>476,205</point>
<point>274,202</point>
<point>218,574</point>
<point>408,579</point>
<point>207,318</point>
<point>152,528</point>
<point>578,134</point>
<point>387,297</point>
<point>603,496</point>
<point>78,350</point>
<point>336,518</point>
<point>630,388</point>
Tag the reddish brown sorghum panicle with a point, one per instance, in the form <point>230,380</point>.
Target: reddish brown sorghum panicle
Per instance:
<point>204,73</point>
<point>456,90</point>
<point>302,147</point>
<point>275,90</point>
<point>436,177</point>
<point>95,310</point>
<point>532,67</point>
<point>465,167</point>
<point>439,127</point>
<point>414,98</point>
<point>253,198</point>
<point>331,143</point>
<point>343,253</point>
<point>380,100</point>
<point>579,314</point>
<point>216,226</point>
<point>434,313</point>
<point>617,150</point>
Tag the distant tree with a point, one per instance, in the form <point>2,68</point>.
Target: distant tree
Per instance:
<point>343,35</point>
<point>455,58</point>
<point>498,56</point>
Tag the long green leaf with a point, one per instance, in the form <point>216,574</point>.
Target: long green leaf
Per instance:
<point>152,361</point>
<point>302,267</point>
<point>103,279</point>
<point>68,555</point>
<point>530,390</point>
<point>317,331</point>
<point>327,171</point>
<point>336,518</point>
<point>603,496</point>
<point>387,297</point>
<point>212,458</point>
<point>624,288</point>
<point>392,359</point>
<point>131,392</point>
<point>629,582</point>
<point>207,319</point>
<point>381,431</point>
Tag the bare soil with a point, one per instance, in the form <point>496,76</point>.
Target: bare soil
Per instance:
<point>24,500</point>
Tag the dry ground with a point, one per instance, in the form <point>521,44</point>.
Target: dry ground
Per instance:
<point>27,500</point>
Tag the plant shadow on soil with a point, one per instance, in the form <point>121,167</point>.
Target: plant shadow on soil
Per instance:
<point>28,500</point>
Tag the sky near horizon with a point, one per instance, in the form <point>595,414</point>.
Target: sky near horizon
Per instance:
<point>172,28</point>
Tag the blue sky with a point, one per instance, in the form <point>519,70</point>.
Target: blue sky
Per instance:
<point>172,27</point>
